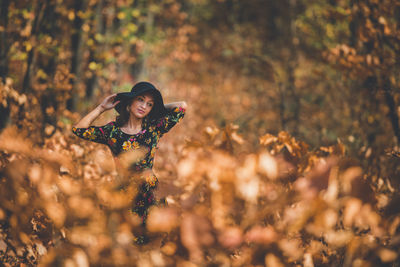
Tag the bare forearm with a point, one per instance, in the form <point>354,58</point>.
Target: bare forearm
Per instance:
<point>107,104</point>
<point>86,121</point>
<point>181,104</point>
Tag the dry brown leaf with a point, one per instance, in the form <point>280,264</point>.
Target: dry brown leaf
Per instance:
<point>268,139</point>
<point>261,235</point>
<point>162,220</point>
<point>272,261</point>
<point>230,237</point>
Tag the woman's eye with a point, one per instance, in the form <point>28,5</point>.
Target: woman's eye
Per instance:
<point>150,104</point>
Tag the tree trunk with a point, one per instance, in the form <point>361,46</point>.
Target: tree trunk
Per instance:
<point>390,102</point>
<point>4,45</point>
<point>290,64</point>
<point>149,30</point>
<point>100,28</point>
<point>76,46</point>
<point>35,28</point>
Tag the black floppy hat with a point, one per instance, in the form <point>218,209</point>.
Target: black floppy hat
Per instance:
<point>141,88</point>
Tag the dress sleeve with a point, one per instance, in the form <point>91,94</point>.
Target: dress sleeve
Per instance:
<point>98,134</point>
<point>170,119</point>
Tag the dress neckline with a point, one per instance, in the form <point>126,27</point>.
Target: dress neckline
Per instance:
<point>142,131</point>
<point>138,133</point>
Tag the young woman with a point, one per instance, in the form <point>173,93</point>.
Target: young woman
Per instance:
<point>143,119</point>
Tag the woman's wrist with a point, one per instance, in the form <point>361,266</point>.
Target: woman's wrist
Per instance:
<point>181,104</point>
<point>100,109</point>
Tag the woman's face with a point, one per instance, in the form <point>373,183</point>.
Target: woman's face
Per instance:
<point>141,106</point>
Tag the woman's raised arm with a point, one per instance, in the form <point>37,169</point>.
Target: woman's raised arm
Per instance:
<point>181,104</point>
<point>108,103</point>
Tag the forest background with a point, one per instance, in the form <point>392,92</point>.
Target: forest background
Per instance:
<point>293,95</point>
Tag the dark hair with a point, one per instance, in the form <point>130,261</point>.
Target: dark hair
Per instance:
<point>123,116</point>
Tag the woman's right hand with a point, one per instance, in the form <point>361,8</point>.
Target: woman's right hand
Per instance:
<point>108,102</point>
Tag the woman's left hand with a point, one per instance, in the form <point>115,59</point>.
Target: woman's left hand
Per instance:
<point>181,104</point>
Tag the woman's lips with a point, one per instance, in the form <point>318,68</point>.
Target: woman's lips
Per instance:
<point>140,111</point>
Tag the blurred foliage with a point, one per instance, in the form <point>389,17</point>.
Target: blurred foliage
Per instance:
<point>283,205</point>
<point>259,76</point>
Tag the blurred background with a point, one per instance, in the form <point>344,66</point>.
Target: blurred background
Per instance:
<point>321,70</point>
<point>327,72</point>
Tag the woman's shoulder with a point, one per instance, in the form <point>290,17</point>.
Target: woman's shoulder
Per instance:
<point>110,125</point>
<point>174,112</point>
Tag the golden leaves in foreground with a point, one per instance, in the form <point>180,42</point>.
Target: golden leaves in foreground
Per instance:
<point>284,141</point>
<point>280,206</point>
<point>162,220</point>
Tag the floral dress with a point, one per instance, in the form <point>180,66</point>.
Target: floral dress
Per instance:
<point>147,140</point>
